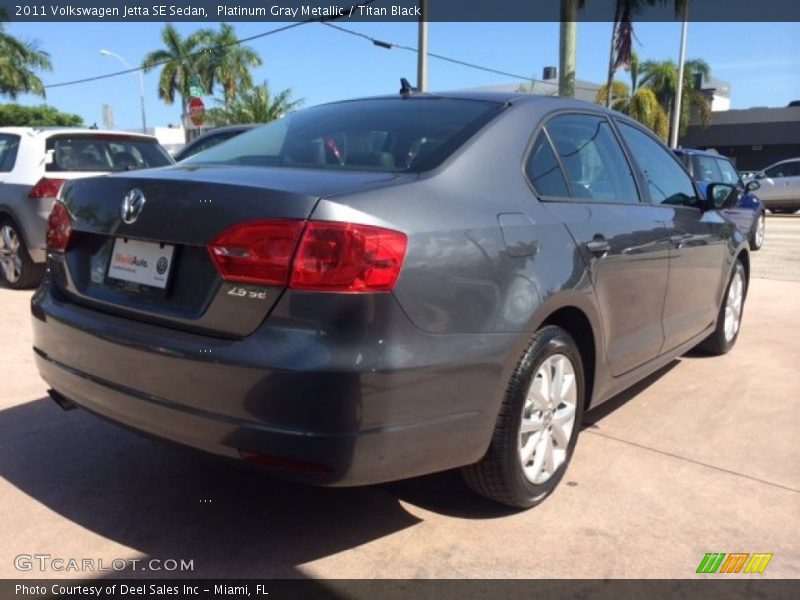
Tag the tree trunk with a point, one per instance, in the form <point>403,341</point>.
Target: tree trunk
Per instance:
<point>611,65</point>
<point>567,48</point>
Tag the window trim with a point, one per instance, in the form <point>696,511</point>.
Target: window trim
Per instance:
<point>541,126</point>
<point>636,125</point>
<point>13,155</point>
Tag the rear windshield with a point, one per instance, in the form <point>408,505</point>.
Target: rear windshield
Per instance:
<point>392,135</point>
<point>88,152</point>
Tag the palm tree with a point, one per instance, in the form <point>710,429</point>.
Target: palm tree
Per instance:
<point>227,62</point>
<point>254,104</point>
<point>662,78</point>
<point>640,104</point>
<point>180,59</point>
<point>567,46</point>
<point>18,62</point>
<point>622,36</point>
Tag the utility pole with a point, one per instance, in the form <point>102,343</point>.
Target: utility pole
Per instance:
<point>137,74</point>
<point>422,48</point>
<point>676,116</point>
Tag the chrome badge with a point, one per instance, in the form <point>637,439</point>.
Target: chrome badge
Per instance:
<point>132,206</point>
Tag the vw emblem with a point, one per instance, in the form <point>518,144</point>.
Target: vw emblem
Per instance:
<point>132,206</point>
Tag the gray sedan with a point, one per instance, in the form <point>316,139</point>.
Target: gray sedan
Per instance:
<point>377,289</point>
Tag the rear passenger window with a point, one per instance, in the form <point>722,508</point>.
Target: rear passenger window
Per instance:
<point>543,170</point>
<point>8,152</point>
<point>593,159</point>
<point>666,180</point>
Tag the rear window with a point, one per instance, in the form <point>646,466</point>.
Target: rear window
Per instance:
<point>87,152</point>
<point>394,135</point>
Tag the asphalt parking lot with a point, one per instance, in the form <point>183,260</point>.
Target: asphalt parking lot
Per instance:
<point>702,457</point>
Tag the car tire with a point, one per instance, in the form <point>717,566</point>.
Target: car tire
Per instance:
<point>759,230</point>
<point>17,270</point>
<point>522,468</point>
<point>729,321</point>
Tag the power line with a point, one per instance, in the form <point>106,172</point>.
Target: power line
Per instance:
<point>202,51</point>
<point>463,63</point>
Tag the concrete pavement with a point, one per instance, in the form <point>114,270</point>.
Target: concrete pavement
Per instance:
<point>702,457</point>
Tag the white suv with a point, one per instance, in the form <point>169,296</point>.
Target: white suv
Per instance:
<point>780,186</point>
<point>34,165</point>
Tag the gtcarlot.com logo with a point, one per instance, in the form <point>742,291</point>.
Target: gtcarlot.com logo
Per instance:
<point>48,563</point>
<point>735,562</point>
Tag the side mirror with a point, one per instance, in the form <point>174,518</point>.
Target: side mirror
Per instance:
<point>721,195</point>
<point>752,186</point>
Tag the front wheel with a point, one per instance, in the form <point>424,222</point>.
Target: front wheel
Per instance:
<point>729,320</point>
<point>538,424</point>
<point>759,231</point>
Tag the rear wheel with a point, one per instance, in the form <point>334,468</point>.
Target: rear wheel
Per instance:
<point>729,320</point>
<point>758,233</point>
<point>17,270</point>
<point>538,424</point>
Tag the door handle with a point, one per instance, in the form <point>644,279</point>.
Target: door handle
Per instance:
<point>599,246</point>
<point>678,239</point>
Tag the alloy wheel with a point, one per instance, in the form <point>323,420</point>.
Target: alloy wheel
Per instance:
<point>733,305</point>
<point>760,227</point>
<point>10,260</point>
<point>548,419</point>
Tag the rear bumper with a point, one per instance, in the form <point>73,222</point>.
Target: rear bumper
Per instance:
<point>380,402</point>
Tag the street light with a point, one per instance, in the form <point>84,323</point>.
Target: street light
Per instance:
<point>141,83</point>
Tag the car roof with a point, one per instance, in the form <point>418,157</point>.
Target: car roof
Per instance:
<point>695,152</point>
<point>51,131</point>
<point>498,97</point>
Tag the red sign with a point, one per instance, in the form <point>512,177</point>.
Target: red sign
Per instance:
<point>197,111</point>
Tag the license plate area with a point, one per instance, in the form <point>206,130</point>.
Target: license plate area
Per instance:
<point>140,267</point>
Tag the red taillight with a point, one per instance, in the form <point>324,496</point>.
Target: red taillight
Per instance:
<point>256,251</point>
<point>330,256</point>
<point>345,257</point>
<point>59,228</point>
<point>46,188</point>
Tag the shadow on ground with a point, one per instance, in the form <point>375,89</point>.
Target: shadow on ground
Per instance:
<point>171,502</point>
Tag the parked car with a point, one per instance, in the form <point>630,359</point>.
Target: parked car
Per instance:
<point>381,288</point>
<point>210,139</point>
<point>780,186</point>
<point>748,211</point>
<point>34,165</point>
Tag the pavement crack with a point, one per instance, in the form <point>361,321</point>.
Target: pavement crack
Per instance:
<point>691,460</point>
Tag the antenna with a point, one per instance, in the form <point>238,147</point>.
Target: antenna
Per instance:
<point>406,89</point>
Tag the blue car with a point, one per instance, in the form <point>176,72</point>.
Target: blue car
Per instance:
<point>748,211</point>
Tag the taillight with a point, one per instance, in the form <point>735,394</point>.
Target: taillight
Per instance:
<point>257,251</point>
<point>46,188</point>
<point>330,256</point>
<point>345,257</point>
<point>59,228</point>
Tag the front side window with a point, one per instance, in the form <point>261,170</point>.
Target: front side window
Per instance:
<point>8,152</point>
<point>593,159</point>
<point>667,181</point>
<point>706,169</point>
<point>391,134</point>
<point>729,174</point>
<point>543,170</point>
<point>787,169</point>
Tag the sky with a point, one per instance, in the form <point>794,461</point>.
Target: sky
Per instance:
<point>760,60</point>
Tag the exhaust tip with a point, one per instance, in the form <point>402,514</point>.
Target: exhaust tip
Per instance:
<point>64,402</point>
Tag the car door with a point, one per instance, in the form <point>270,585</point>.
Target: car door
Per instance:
<point>698,238</point>
<point>780,184</point>
<point>745,210</point>
<point>582,174</point>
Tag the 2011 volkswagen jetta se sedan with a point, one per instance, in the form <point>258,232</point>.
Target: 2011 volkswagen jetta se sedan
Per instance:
<point>376,289</point>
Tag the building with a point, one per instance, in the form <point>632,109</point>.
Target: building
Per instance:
<point>753,138</point>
